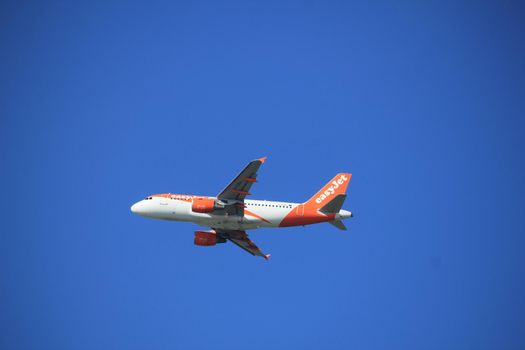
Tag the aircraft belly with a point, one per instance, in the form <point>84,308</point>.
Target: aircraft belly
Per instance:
<point>250,221</point>
<point>231,222</point>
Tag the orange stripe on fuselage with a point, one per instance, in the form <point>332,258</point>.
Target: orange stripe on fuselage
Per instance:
<point>247,212</point>
<point>180,197</point>
<point>309,216</point>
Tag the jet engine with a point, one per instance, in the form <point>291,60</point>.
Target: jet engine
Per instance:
<point>205,238</point>
<point>203,205</point>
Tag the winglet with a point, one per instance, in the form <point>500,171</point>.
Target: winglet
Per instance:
<point>267,256</point>
<point>262,160</point>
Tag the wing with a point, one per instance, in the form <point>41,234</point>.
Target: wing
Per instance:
<point>234,194</point>
<point>241,239</point>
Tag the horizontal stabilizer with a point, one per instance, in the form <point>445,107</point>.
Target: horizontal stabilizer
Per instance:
<point>339,224</point>
<point>334,205</point>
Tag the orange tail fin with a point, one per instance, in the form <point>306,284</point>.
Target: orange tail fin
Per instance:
<point>335,187</point>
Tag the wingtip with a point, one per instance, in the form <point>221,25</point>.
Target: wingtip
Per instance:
<point>267,256</point>
<point>262,160</point>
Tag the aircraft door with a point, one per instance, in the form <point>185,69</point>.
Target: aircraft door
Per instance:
<point>299,210</point>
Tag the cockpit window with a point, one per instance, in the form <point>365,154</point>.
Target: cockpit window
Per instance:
<point>147,198</point>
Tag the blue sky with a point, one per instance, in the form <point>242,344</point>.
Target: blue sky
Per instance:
<point>103,103</point>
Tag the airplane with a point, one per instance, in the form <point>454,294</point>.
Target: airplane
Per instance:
<point>230,214</point>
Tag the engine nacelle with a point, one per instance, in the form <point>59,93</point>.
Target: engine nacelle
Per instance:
<point>205,238</point>
<point>203,205</point>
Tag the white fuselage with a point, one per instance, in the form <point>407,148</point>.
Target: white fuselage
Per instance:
<point>257,213</point>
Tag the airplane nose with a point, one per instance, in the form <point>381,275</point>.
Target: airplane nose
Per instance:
<point>135,208</point>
